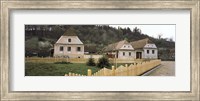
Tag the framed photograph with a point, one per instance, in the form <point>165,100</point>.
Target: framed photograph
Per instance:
<point>99,50</point>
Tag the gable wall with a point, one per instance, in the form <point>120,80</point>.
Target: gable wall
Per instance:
<point>150,46</point>
<point>63,41</point>
<point>127,46</point>
<point>74,40</point>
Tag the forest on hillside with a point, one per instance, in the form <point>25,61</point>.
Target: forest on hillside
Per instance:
<point>39,39</point>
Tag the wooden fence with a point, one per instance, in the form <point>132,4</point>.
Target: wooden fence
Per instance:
<point>131,70</point>
<point>73,74</point>
<point>55,59</point>
<point>77,60</point>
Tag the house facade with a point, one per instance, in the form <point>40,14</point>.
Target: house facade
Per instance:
<point>69,45</point>
<point>141,49</point>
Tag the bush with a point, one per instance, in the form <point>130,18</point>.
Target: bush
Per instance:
<point>91,62</point>
<point>103,62</point>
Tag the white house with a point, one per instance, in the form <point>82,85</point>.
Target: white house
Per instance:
<point>136,50</point>
<point>145,48</point>
<point>69,45</point>
<point>121,49</point>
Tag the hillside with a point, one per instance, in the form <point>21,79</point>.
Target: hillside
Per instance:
<point>39,39</point>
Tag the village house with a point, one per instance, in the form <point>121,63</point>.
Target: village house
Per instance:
<point>69,45</point>
<point>141,49</point>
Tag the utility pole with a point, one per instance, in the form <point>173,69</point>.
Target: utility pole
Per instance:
<point>116,59</point>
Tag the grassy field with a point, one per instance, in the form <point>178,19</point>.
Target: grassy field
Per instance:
<point>58,69</point>
<point>52,69</point>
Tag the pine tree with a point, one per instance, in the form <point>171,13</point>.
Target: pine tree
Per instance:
<point>91,62</point>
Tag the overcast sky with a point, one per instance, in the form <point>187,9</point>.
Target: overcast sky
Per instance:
<point>167,31</point>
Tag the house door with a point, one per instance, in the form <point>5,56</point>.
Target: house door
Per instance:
<point>138,55</point>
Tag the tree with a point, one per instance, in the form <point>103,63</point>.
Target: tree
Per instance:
<point>137,30</point>
<point>171,39</point>
<point>103,62</point>
<point>160,36</point>
<point>91,62</point>
<point>128,30</point>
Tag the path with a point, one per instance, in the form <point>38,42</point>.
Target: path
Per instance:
<point>167,68</point>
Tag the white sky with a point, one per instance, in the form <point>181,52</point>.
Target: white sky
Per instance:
<point>167,31</point>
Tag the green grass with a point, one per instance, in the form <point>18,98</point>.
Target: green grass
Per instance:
<point>60,68</point>
<point>55,69</point>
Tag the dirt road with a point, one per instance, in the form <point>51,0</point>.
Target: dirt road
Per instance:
<point>167,68</point>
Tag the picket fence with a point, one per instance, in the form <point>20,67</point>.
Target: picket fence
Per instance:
<point>134,69</point>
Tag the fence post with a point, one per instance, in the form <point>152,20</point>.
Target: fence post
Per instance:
<point>70,74</point>
<point>113,70</point>
<point>127,71</point>
<point>104,71</point>
<point>73,74</point>
<point>89,72</point>
<point>144,68</point>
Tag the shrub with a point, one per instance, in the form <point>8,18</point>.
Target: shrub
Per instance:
<point>91,62</point>
<point>103,62</point>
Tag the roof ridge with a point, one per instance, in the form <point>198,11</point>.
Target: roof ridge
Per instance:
<point>116,42</point>
<point>114,45</point>
<point>135,44</point>
<point>140,40</point>
<point>140,43</point>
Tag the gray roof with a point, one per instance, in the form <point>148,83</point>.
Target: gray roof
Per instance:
<point>139,44</point>
<point>70,32</point>
<point>115,46</point>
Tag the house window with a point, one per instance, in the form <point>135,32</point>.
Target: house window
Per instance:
<point>129,53</point>
<point>124,46</point>
<point>123,53</point>
<point>69,40</point>
<point>79,49</point>
<point>68,48</point>
<point>147,51</point>
<point>61,48</point>
<point>153,51</point>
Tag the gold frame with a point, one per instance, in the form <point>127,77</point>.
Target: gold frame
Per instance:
<point>7,5</point>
